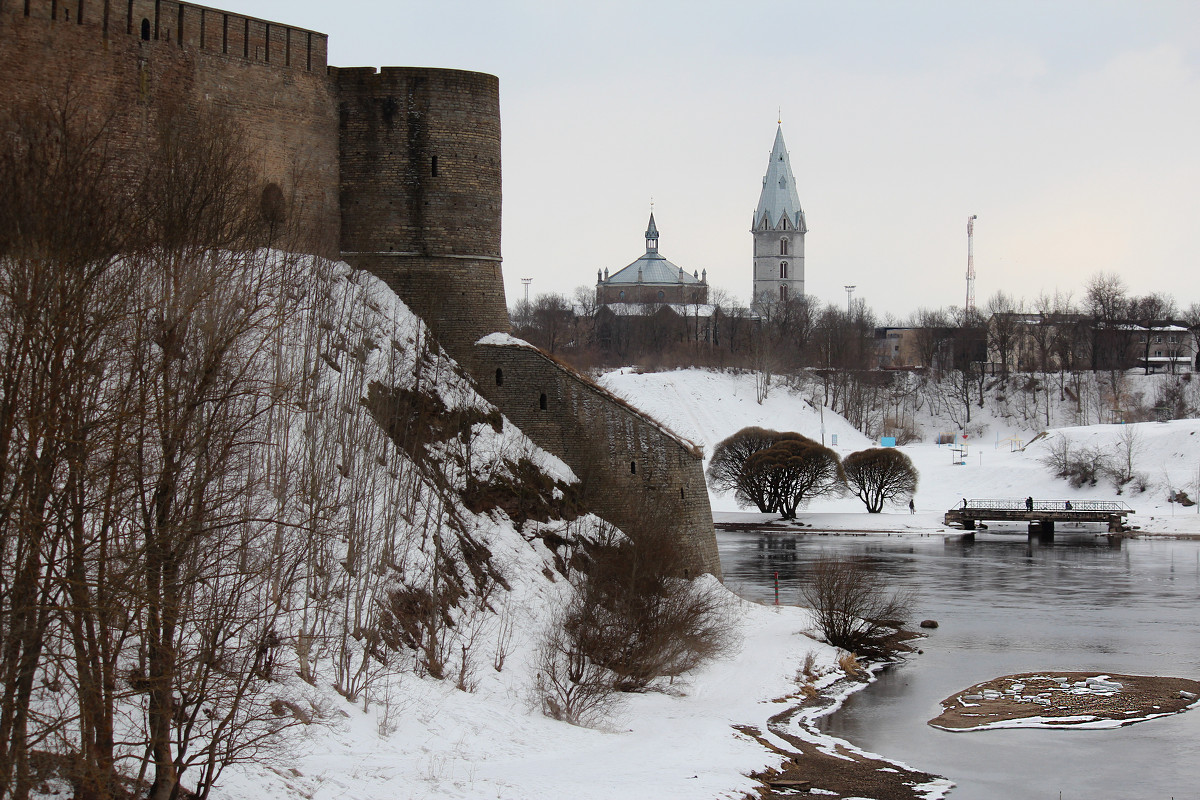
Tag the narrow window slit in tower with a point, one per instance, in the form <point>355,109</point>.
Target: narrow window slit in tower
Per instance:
<point>542,401</point>
<point>499,377</point>
<point>433,165</point>
<point>145,30</point>
<point>633,468</point>
<point>179,27</point>
<point>246,41</point>
<point>267,42</point>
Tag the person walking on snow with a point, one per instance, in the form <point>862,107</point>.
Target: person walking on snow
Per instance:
<point>912,509</point>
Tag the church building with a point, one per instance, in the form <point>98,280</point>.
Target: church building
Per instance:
<point>652,279</point>
<point>778,232</point>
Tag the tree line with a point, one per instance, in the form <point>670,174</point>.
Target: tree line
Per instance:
<point>780,471</point>
<point>1052,351</point>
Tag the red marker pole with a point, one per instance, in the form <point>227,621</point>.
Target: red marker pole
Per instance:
<point>776,588</point>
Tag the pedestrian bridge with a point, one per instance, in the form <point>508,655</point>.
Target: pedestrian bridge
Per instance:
<point>1041,515</point>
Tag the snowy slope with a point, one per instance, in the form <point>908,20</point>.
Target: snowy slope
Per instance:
<point>708,406</point>
<point>411,736</point>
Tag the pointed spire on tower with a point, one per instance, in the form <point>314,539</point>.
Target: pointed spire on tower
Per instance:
<point>779,203</point>
<point>652,234</point>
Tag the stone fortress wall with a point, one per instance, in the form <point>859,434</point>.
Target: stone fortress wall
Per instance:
<point>136,58</point>
<point>396,171</point>
<point>635,473</point>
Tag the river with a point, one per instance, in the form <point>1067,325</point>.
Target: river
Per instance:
<point>1006,604</point>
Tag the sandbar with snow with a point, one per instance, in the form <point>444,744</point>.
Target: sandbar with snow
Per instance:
<point>1065,699</point>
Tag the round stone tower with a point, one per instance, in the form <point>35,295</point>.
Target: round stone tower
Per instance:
<point>420,193</point>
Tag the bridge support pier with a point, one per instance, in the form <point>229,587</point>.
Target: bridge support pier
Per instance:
<point>968,524</point>
<point>1041,528</point>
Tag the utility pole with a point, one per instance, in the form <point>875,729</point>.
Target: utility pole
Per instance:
<point>849,295</point>
<point>526,281</point>
<point>969,306</point>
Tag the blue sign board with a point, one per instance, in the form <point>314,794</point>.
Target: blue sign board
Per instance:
<point>888,441</point>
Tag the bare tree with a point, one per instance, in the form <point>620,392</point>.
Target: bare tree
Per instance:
<point>1004,319</point>
<point>880,475</point>
<point>796,471</point>
<point>727,468</point>
<point>62,223</point>
<point>1151,311</point>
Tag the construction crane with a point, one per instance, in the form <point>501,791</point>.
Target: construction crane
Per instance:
<point>969,306</point>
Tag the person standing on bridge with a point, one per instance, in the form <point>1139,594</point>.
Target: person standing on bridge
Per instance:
<point>1068,505</point>
<point>1029,503</point>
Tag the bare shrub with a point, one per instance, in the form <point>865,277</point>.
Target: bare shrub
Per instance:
<point>1080,466</point>
<point>854,610</point>
<point>640,620</point>
<point>506,628</point>
<point>570,686</point>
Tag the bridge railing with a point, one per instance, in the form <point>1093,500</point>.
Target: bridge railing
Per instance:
<point>1102,506</point>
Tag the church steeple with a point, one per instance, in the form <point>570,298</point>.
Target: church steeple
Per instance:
<point>652,236</point>
<point>779,202</point>
<point>778,230</point>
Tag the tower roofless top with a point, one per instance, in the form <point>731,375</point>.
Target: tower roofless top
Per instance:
<point>779,199</point>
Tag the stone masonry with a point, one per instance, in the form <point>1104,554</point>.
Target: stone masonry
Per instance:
<point>635,473</point>
<point>396,171</point>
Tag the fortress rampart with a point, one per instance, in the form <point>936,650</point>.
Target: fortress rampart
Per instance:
<point>137,58</point>
<point>396,171</point>
<point>635,473</point>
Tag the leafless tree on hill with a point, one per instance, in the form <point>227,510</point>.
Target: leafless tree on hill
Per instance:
<point>62,289</point>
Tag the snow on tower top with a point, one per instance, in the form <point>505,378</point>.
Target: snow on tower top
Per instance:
<point>779,200</point>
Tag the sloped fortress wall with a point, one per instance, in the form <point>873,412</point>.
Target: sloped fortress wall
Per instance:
<point>420,193</point>
<point>137,58</point>
<point>635,474</point>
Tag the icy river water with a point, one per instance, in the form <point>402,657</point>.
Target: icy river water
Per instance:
<point>1004,605</point>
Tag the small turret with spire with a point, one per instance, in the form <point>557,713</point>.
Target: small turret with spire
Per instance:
<point>652,236</point>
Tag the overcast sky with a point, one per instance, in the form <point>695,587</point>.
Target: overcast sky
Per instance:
<point>1071,128</point>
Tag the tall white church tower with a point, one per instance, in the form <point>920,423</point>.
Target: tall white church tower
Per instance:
<point>778,232</point>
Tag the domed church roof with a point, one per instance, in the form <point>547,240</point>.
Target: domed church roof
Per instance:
<point>652,267</point>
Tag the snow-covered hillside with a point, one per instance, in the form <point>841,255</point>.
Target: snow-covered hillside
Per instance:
<point>479,732</point>
<point>707,406</point>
